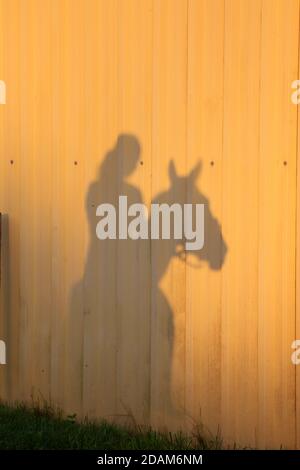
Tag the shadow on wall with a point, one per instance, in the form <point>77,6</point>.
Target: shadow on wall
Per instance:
<point>118,313</point>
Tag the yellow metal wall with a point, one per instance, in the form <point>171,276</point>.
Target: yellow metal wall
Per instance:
<point>132,332</point>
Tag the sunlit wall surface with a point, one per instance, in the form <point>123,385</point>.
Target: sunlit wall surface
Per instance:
<point>109,97</point>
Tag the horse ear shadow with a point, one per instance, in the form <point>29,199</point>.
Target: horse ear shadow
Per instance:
<point>172,171</point>
<point>195,172</point>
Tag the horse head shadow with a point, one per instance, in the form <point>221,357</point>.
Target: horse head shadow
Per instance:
<point>183,190</point>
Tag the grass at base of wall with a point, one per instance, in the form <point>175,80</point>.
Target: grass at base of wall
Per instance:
<point>40,427</point>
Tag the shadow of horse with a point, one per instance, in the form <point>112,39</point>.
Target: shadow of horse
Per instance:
<point>182,190</point>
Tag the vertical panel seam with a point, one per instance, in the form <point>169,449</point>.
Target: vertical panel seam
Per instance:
<point>296,231</point>
<point>186,189</point>
<point>258,225</point>
<point>221,207</point>
<point>150,241</point>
